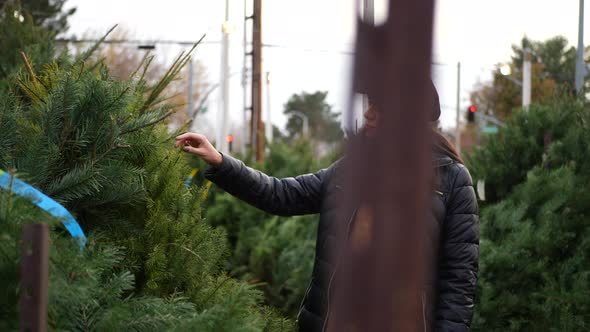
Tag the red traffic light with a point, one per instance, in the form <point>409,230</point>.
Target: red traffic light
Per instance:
<point>230,138</point>
<point>471,113</point>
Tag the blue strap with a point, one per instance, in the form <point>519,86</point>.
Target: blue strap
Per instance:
<point>45,203</point>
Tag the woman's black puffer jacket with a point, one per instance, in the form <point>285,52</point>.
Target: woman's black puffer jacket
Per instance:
<point>455,227</point>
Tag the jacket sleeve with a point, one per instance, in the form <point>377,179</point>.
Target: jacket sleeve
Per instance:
<point>286,197</point>
<point>458,256</point>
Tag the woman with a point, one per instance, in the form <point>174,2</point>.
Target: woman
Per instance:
<point>454,210</point>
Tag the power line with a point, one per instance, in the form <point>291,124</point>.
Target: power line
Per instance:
<point>188,43</point>
<point>218,42</point>
<point>308,49</point>
<point>135,41</point>
<point>215,42</point>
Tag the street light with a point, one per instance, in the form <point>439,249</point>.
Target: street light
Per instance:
<point>228,27</point>
<point>506,70</point>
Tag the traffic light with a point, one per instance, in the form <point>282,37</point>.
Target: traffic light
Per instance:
<point>471,113</point>
<point>230,140</point>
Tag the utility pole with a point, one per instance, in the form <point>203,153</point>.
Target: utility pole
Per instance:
<point>526,79</point>
<point>226,29</point>
<point>458,115</point>
<point>580,64</point>
<point>257,128</point>
<point>246,108</point>
<point>368,18</point>
<point>268,126</point>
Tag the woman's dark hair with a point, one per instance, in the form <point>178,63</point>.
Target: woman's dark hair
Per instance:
<point>441,145</point>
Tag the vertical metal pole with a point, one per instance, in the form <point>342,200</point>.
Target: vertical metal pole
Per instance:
<point>458,115</point>
<point>268,126</point>
<point>580,64</point>
<point>526,79</point>
<point>368,18</point>
<point>245,125</point>
<point>34,275</point>
<point>257,81</point>
<point>223,144</point>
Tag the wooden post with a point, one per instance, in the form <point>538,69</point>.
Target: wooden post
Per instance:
<point>34,278</point>
<point>257,126</point>
<point>380,279</point>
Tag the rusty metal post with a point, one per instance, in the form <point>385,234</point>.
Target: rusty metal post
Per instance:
<point>378,285</point>
<point>34,278</point>
<point>257,126</point>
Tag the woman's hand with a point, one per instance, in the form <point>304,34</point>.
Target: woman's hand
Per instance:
<point>198,144</point>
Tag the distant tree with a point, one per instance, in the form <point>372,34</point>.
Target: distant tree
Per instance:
<point>558,60</point>
<point>553,68</point>
<point>44,13</point>
<point>124,59</point>
<point>19,33</point>
<point>323,123</point>
<point>278,135</point>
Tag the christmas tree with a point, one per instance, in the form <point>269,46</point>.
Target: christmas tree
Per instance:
<point>534,264</point>
<point>100,148</point>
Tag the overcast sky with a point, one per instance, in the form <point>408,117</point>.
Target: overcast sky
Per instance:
<point>314,33</point>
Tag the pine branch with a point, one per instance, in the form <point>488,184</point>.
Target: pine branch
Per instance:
<point>189,250</point>
<point>78,183</point>
<point>151,123</point>
<point>118,98</point>
<point>170,75</point>
<point>215,290</point>
<point>145,68</point>
<point>164,99</point>
<point>97,64</point>
<point>161,85</point>
<point>34,84</point>
<point>32,94</point>
<point>68,85</point>
<point>143,61</point>
<point>82,65</point>
<point>28,67</point>
<point>89,52</point>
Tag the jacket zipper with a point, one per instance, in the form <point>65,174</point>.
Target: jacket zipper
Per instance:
<point>303,300</point>
<point>332,279</point>
<point>334,272</point>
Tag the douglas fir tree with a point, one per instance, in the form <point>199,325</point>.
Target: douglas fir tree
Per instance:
<point>99,147</point>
